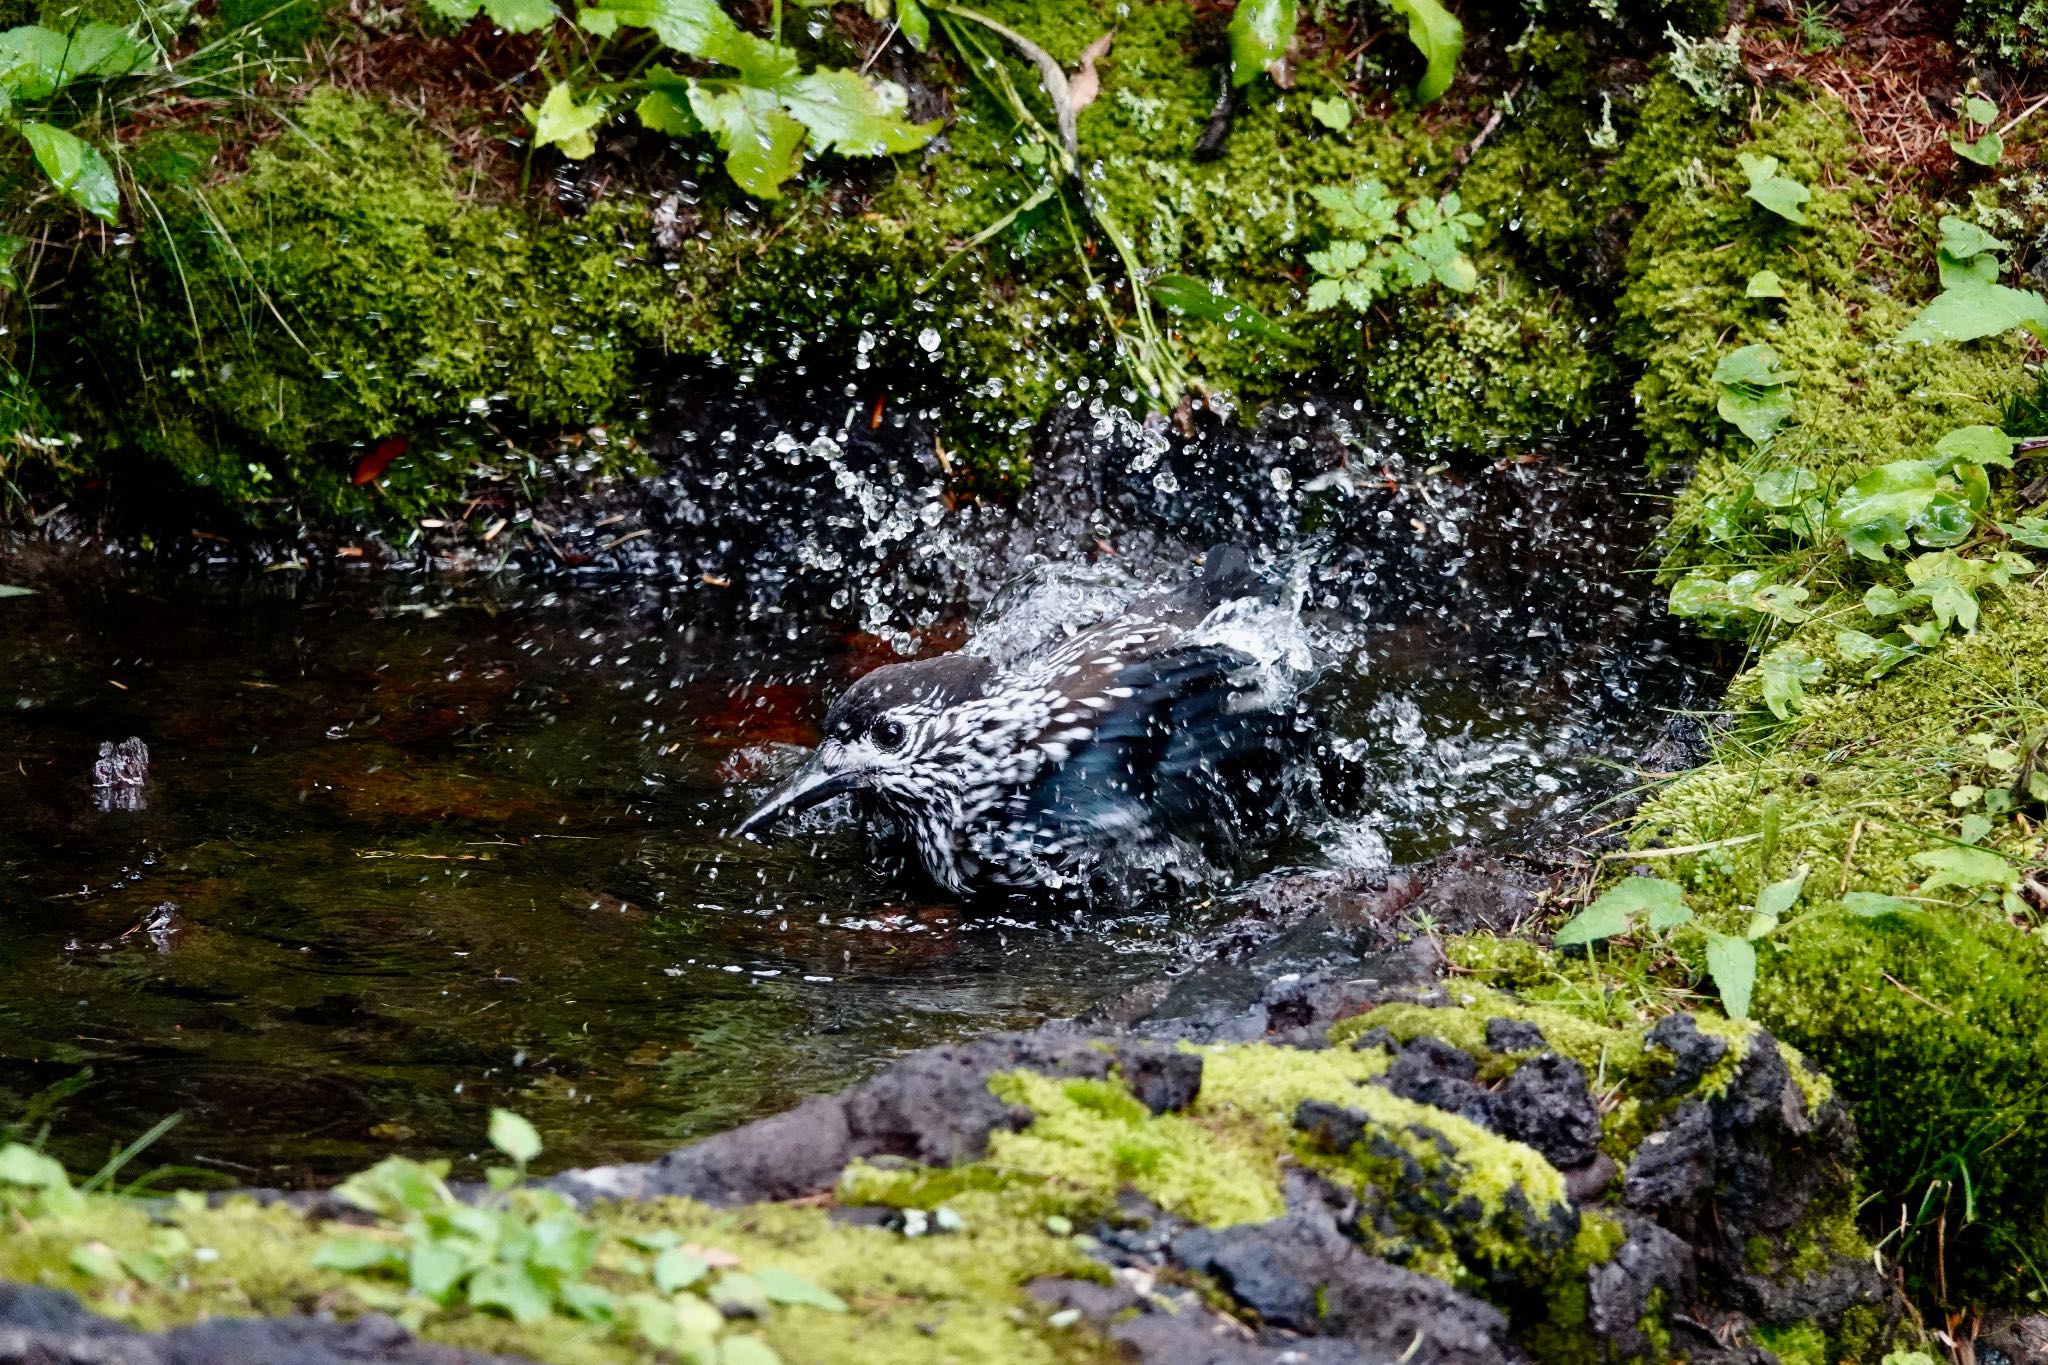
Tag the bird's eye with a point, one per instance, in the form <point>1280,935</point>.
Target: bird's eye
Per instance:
<point>889,733</point>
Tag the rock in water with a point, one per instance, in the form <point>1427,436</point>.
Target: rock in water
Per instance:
<point>1117,745</point>
<point>121,775</point>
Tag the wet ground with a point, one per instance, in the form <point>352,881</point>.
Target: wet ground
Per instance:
<point>410,846</point>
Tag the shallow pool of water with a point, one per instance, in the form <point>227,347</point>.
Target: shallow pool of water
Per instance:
<point>412,847</point>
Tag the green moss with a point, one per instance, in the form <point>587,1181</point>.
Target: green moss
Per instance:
<point>2013,31</point>
<point>1801,1343</point>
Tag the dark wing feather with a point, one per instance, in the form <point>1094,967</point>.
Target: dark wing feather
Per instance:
<point>1165,754</point>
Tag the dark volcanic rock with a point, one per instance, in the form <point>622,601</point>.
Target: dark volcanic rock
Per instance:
<point>1164,1079</point>
<point>1546,1104</point>
<point>49,1327</point>
<point>1514,1035</point>
<point>1693,1053</point>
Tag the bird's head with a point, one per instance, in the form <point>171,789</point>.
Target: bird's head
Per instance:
<point>887,735</point>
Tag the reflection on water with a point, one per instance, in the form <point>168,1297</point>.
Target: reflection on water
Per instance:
<point>407,848</point>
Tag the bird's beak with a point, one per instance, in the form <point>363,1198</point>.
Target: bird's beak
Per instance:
<point>810,784</point>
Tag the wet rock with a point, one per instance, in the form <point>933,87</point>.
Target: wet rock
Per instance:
<point>2022,1340</point>
<point>1547,1104</point>
<point>1673,1171</point>
<point>1431,1071</point>
<point>120,777</point>
<point>934,1106</point>
<point>1163,1078</point>
<point>46,1326</point>
<point>1621,1290</point>
<point>1513,1035</point>
<point>1693,1053</point>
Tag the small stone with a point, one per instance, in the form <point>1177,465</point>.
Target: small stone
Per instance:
<point>1059,1226</point>
<point>945,1220</point>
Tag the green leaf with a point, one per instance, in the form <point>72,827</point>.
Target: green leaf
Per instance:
<point>676,1269</point>
<point>1765,284</point>
<point>1333,113</point>
<point>738,1350</point>
<point>98,49</point>
<point>1731,962</point>
<point>1195,298</point>
<point>1873,513</point>
<point>1871,904</point>
<point>700,28</point>
<point>33,61</point>
<point>455,11</point>
<point>1874,656</point>
<point>2028,531</point>
<point>1363,208</point>
<point>1439,37</point>
<point>10,590</point>
<point>96,1259</point>
<point>763,145</point>
<point>1977,445</point>
<point>514,1136</point>
<point>522,16</point>
<point>1611,913</point>
<point>785,1287</point>
<point>849,113</point>
<point>1971,270</point>
<point>27,1167</point>
<point>1984,151</point>
<point>738,1293</point>
<point>1777,899</point>
<point>357,1253</point>
<point>915,23</point>
<point>1786,672</point>
<point>1979,110</point>
<point>513,1289</point>
<point>1780,194</point>
<point>1963,239</point>
<point>76,168</point>
<point>435,1269</point>
<point>666,109</point>
<point>395,1187</point>
<point>1754,396</point>
<point>1260,32</point>
<point>1965,868</point>
<point>1978,309</point>
<point>1784,487</point>
<point>1948,584</point>
<point>591,1302</point>
<point>562,122</point>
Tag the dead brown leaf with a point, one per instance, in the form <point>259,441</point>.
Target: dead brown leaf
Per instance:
<point>1085,84</point>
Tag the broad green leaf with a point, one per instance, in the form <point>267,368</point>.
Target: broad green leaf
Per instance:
<point>700,28</point>
<point>1873,513</point>
<point>591,1302</point>
<point>76,168</point>
<point>1782,601</point>
<point>514,1136</point>
<point>849,113</point>
<point>1757,413</point>
<point>1984,151</point>
<point>456,11</point>
<point>33,61</point>
<point>1978,445</point>
<point>1970,311</point>
<point>770,66</point>
<point>357,1253</point>
<point>1786,672</point>
<point>1874,657</point>
<point>1971,270</point>
<point>785,1287</point>
<point>512,1288</point>
<point>1765,284</point>
<point>1752,366</point>
<point>27,1167</point>
<point>915,23</point>
<point>1195,298</point>
<point>561,122</point>
<point>666,109</point>
<point>1948,584</point>
<point>563,1244</point>
<point>1947,519</point>
<point>96,1259</point>
<point>1784,487</point>
<point>1779,897</point>
<point>763,145</point>
<point>736,1293</point>
<point>1610,914</point>
<point>1871,904</point>
<point>1439,37</point>
<point>1926,634</point>
<point>521,16</point>
<point>2028,531</point>
<point>1963,239</point>
<point>395,1187</point>
<point>1260,32</point>
<point>738,1350</point>
<point>1979,110</point>
<point>676,1269</point>
<point>102,50</point>
<point>1668,915</point>
<point>1731,962</point>
<point>1965,868</point>
<point>1333,113</point>
<point>436,1269</point>
<point>1780,194</point>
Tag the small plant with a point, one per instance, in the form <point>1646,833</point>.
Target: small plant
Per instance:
<point>754,99</point>
<point>1780,194</point>
<point>1262,30</point>
<point>38,64</point>
<point>529,1255</point>
<point>1756,396</point>
<point>1976,138</point>
<point>1972,303</point>
<point>1381,249</point>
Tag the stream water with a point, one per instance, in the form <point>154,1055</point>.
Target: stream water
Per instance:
<point>413,845</point>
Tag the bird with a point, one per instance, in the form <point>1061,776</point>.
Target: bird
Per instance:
<point>1170,725</point>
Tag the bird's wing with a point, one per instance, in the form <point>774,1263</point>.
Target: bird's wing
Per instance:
<point>1166,734</point>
